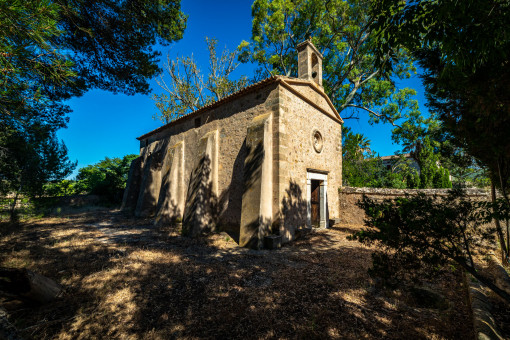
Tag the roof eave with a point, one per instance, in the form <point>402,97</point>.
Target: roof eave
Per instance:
<point>226,99</point>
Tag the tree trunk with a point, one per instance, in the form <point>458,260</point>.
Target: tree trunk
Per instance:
<point>503,183</point>
<point>486,281</point>
<point>28,284</point>
<point>13,207</point>
<point>499,230</point>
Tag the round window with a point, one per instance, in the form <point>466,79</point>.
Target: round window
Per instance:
<point>317,141</point>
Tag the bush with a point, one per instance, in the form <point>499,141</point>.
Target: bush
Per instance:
<point>64,187</point>
<point>419,235</point>
<point>106,178</point>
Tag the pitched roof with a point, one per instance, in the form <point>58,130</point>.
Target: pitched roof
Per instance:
<point>239,93</point>
<point>217,103</point>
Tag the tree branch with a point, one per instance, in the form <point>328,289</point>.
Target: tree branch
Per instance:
<point>380,115</point>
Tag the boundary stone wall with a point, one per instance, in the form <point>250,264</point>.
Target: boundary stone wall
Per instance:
<point>350,213</point>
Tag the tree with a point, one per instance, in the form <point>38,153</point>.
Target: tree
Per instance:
<point>54,50</point>
<point>64,187</point>
<point>463,49</point>
<point>425,233</point>
<point>36,76</point>
<point>106,44</point>
<point>415,129</point>
<point>360,166</point>
<point>341,31</point>
<point>51,51</point>
<point>186,90</point>
<point>432,174</point>
<point>106,178</point>
<point>33,158</point>
<point>112,41</point>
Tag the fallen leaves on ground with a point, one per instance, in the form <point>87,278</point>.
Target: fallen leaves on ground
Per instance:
<point>126,279</point>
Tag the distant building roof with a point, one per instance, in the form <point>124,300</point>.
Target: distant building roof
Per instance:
<point>391,157</point>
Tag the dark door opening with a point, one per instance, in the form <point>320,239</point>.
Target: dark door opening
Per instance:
<point>315,202</point>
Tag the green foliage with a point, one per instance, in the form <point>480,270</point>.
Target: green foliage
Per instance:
<point>184,88</point>
<point>431,172</point>
<point>52,51</point>
<point>475,111</point>
<point>420,235</point>
<point>362,168</point>
<point>442,178</point>
<point>411,134</point>
<point>466,69</point>
<point>463,50</point>
<point>413,180</point>
<point>355,75</point>
<point>340,31</point>
<point>470,34</point>
<point>106,178</point>
<point>33,157</point>
<point>395,180</point>
<point>35,78</point>
<point>111,42</point>
<point>462,47</point>
<point>64,187</point>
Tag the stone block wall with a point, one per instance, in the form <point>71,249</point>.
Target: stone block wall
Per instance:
<point>200,169</point>
<point>350,213</point>
<point>297,155</point>
<point>257,212</point>
<point>229,122</point>
<point>171,194</point>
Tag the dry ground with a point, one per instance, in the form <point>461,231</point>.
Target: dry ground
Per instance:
<point>124,279</point>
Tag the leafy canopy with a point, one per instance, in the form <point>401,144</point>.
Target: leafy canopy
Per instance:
<point>51,51</point>
<point>361,167</point>
<point>185,89</point>
<point>106,178</point>
<point>341,31</point>
<point>358,74</point>
<point>463,47</point>
<point>54,50</point>
<point>31,158</point>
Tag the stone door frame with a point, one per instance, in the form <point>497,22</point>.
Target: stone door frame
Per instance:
<point>323,207</point>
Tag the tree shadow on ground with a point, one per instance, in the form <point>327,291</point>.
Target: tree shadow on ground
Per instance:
<point>293,212</point>
<point>165,286</point>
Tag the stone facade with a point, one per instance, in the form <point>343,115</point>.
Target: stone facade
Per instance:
<point>352,214</point>
<point>247,163</point>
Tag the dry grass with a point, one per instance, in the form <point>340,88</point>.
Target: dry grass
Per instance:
<point>126,280</point>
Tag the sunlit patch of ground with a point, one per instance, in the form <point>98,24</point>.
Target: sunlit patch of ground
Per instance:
<point>125,279</point>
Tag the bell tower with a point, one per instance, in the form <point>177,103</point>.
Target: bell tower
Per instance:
<point>309,62</point>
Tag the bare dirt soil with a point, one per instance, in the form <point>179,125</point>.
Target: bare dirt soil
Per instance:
<point>125,279</point>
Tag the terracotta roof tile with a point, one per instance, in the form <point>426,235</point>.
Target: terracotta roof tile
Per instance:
<point>226,99</point>
<point>406,155</point>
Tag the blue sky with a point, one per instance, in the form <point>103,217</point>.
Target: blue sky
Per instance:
<point>106,125</point>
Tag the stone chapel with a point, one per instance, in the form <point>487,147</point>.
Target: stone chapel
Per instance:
<point>266,160</point>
